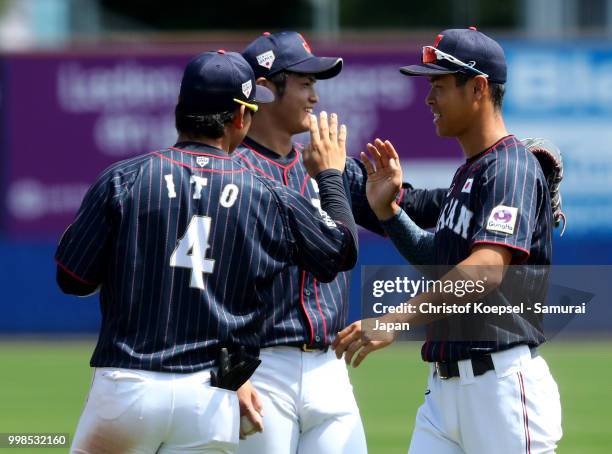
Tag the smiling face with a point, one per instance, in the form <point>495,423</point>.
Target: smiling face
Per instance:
<point>291,109</point>
<point>453,106</point>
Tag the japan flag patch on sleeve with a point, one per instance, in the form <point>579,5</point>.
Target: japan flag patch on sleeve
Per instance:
<point>467,187</point>
<point>502,219</point>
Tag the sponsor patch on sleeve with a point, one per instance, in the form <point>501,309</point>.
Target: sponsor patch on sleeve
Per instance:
<point>502,219</point>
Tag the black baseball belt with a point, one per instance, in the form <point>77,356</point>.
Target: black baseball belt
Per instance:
<point>312,348</point>
<point>480,365</point>
<point>305,347</point>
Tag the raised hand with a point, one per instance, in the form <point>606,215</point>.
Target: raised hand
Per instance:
<point>384,178</point>
<point>327,147</point>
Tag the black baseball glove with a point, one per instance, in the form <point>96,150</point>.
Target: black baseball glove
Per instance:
<point>234,369</point>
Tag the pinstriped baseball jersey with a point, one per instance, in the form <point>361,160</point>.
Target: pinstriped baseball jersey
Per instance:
<point>305,310</point>
<point>321,309</point>
<point>499,196</point>
<point>189,246</point>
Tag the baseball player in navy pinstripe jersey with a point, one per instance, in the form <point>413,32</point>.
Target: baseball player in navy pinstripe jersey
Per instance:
<point>489,391</point>
<point>187,247</point>
<point>307,397</point>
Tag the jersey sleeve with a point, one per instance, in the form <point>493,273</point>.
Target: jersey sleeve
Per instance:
<point>83,248</point>
<point>422,205</point>
<point>318,244</point>
<point>506,208</point>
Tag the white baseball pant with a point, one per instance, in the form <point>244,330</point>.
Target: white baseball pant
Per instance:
<point>136,411</point>
<point>514,409</point>
<point>308,405</point>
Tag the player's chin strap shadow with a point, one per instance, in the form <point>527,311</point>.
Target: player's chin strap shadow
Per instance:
<point>234,369</point>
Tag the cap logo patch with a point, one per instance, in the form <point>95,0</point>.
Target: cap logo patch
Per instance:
<point>266,59</point>
<point>202,160</point>
<point>502,219</point>
<point>438,39</point>
<point>305,44</point>
<point>247,87</point>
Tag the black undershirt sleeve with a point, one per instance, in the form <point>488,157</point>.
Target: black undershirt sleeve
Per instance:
<point>335,203</point>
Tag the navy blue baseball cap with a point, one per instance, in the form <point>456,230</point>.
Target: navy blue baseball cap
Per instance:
<point>464,50</point>
<point>275,52</point>
<point>217,81</point>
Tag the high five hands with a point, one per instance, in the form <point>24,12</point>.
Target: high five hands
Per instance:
<point>384,178</point>
<point>327,147</point>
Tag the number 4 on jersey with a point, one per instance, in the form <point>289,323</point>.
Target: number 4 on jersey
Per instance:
<point>191,249</point>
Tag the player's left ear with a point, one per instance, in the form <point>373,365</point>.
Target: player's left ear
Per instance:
<point>264,82</point>
<point>239,117</point>
<point>480,86</point>
<point>269,85</point>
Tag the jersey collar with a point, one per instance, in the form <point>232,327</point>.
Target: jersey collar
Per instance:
<point>489,149</point>
<point>268,153</point>
<point>198,147</point>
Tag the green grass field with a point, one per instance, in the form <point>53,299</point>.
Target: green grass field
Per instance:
<point>44,384</point>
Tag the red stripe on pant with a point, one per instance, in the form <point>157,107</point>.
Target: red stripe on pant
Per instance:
<point>525,417</point>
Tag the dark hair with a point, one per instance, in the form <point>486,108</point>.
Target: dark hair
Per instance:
<point>496,91</point>
<point>207,125</point>
<point>279,80</point>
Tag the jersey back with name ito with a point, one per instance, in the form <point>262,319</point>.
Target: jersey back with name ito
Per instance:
<point>497,197</point>
<point>187,246</point>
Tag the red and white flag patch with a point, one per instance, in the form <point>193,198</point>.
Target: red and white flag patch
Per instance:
<point>467,187</point>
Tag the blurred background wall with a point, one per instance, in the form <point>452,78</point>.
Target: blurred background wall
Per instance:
<point>84,83</point>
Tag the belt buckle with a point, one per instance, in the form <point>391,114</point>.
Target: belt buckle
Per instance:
<point>441,371</point>
<point>306,348</point>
